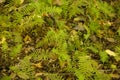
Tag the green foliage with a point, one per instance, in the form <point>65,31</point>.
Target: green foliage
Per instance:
<point>57,42</point>
<point>41,54</point>
<point>24,68</point>
<point>85,68</point>
<point>6,78</point>
<point>104,57</point>
<point>94,26</point>
<point>53,42</point>
<point>16,50</point>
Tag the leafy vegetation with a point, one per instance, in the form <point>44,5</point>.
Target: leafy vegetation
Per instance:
<point>59,40</point>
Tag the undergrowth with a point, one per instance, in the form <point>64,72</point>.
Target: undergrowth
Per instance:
<point>57,39</point>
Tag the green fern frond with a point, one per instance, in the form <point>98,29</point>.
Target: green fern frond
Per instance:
<point>40,54</point>
<point>23,69</point>
<point>85,68</point>
<point>74,8</point>
<point>53,10</point>
<point>94,26</point>
<point>6,78</point>
<point>27,9</point>
<point>16,50</point>
<point>105,8</point>
<point>103,56</point>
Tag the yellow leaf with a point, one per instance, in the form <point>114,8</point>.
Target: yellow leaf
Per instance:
<point>113,66</point>
<point>111,53</point>
<point>39,74</point>
<point>3,40</point>
<point>21,1</point>
<point>27,39</point>
<point>38,65</point>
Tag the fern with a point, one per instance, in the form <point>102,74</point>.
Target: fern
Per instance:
<point>106,9</point>
<point>57,40</point>
<point>74,8</point>
<point>59,48</point>
<point>23,69</point>
<point>94,26</point>
<point>6,78</point>
<point>16,50</point>
<point>104,57</point>
<point>86,68</point>
<point>98,8</point>
<point>39,55</point>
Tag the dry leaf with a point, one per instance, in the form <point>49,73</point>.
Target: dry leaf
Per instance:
<point>109,23</point>
<point>57,2</point>
<point>28,49</point>
<point>93,38</point>
<point>27,39</point>
<point>1,1</point>
<point>21,1</point>
<point>79,27</point>
<point>111,53</point>
<point>115,75</point>
<point>77,19</point>
<point>13,75</point>
<point>38,65</point>
<point>63,64</point>
<point>39,74</point>
<point>110,39</point>
<point>3,40</point>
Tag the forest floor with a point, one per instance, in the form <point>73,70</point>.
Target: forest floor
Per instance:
<point>62,43</point>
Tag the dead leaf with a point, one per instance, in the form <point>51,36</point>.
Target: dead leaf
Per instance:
<point>21,1</point>
<point>93,38</point>
<point>28,49</point>
<point>38,74</point>
<point>13,75</point>
<point>63,64</point>
<point>100,33</point>
<point>27,39</point>
<point>57,2</point>
<point>115,76</point>
<point>110,39</point>
<point>77,19</point>
<point>111,53</point>
<point>2,1</point>
<point>3,40</point>
<point>38,65</point>
<point>79,27</point>
<point>45,14</point>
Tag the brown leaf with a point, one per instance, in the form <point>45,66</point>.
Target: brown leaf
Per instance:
<point>110,39</point>
<point>57,2</point>
<point>38,65</point>
<point>39,74</point>
<point>115,76</point>
<point>27,39</point>
<point>79,27</point>
<point>93,38</point>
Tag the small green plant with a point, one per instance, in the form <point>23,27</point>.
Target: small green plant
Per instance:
<point>41,40</point>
